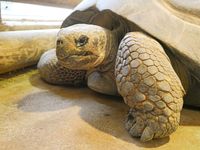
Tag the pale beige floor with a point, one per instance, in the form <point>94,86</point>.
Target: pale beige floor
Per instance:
<point>38,116</point>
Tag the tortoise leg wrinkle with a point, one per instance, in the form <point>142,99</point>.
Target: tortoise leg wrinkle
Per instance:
<point>52,72</point>
<point>149,85</point>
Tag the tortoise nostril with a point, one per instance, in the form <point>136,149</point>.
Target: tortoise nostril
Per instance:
<point>59,42</point>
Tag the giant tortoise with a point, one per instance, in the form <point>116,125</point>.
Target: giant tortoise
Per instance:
<point>147,51</point>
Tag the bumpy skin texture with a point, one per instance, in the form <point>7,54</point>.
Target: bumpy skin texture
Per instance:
<point>149,85</point>
<point>52,72</point>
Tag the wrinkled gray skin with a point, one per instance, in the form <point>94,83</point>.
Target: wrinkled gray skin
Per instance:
<point>150,78</point>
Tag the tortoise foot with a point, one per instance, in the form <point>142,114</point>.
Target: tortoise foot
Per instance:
<point>150,125</point>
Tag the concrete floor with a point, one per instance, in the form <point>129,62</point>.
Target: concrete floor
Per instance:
<point>37,116</point>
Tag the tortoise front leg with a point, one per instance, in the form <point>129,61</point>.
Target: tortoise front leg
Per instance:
<point>53,72</point>
<point>149,85</point>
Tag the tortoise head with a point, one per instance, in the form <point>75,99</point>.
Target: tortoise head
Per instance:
<point>82,47</point>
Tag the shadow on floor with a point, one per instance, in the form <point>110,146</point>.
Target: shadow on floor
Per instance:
<point>106,113</point>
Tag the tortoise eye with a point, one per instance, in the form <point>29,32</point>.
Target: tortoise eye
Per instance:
<point>83,39</point>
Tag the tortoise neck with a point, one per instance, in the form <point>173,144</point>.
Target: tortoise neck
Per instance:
<point>111,52</point>
<point>118,31</point>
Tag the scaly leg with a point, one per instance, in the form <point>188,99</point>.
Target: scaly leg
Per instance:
<point>53,72</point>
<point>149,85</point>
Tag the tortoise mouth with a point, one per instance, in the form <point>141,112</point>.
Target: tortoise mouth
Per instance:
<point>63,54</point>
<point>81,53</point>
<point>78,59</point>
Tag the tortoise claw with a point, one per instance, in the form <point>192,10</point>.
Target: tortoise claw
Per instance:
<point>147,134</point>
